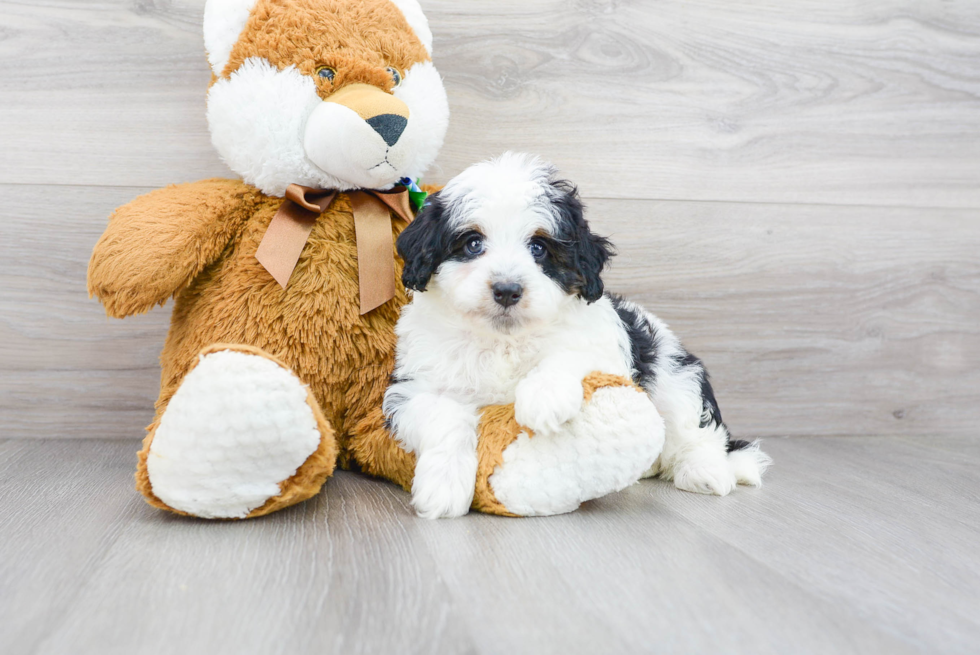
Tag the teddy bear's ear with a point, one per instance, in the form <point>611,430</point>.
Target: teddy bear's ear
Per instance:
<point>224,21</point>
<point>417,21</point>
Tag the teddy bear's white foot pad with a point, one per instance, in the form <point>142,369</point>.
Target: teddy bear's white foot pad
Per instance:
<point>614,439</point>
<point>237,427</point>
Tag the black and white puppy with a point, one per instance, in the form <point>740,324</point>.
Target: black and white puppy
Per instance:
<point>509,307</point>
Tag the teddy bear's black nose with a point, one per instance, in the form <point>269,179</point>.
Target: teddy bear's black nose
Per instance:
<point>389,126</point>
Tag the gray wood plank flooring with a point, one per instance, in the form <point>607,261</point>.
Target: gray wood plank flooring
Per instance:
<point>813,319</point>
<point>794,186</point>
<point>818,310</point>
<point>804,101</point>
<point>826,558</point>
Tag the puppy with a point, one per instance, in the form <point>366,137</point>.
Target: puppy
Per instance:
<point>508,307</point>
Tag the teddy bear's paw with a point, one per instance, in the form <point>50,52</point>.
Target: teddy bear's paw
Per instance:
<point>238,426</point>
<point>607,446</point>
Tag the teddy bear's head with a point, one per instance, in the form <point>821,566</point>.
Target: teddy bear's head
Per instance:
<point>337,94</point>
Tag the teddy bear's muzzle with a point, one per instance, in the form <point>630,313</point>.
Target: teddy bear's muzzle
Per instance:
<point>357,134</point>
<point>386,114</point>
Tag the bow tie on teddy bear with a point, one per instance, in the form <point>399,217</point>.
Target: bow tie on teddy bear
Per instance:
<point>290,229</point>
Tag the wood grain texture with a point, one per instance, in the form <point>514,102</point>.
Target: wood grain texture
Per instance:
<point>825,558</point>
<point>862,531</point>
<point>813,320</point>
<point>793,185</point>
<point>802,101</point>
<point>65,369</point>
<point>89,568</point>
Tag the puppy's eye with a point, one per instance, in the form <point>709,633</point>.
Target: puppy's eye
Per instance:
<point>537,249</point>
<point>395,76</point>
<point>326,73</point>
<point>474,246</point>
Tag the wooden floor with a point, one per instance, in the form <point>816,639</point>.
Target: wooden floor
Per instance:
<point>793,185</point>
<point>826,558</point>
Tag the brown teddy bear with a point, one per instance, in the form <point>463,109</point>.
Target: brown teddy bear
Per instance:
<point>285,282</point>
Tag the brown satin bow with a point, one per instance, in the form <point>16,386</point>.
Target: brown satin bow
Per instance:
<point>290,228</point>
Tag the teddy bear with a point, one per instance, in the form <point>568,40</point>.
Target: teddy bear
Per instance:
<point>286,285</point>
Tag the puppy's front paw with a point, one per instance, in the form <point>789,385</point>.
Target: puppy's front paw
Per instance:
<point>543,403</point>
<point>712,478</point>
<point>444,484</point>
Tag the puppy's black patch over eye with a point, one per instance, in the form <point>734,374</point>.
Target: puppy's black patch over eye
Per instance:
<point>326,73</point>
<point>474,245</point>
<point>537,248</point>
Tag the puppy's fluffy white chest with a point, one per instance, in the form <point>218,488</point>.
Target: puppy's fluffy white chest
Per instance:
<point>503,365</point>
<point>482,369</point>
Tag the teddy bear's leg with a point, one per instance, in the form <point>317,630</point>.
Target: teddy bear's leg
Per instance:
<point>608,446</point>
<point>241,437</point>
<point>617,436</point>
<point>377,453</point>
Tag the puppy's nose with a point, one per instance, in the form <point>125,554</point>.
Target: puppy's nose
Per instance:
<point>507,293</point>
<point>389,126</point>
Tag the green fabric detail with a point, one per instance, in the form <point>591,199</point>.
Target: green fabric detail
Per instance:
<point>417,196</point>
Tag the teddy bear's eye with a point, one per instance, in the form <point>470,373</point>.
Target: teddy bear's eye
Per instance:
<point>395,75</point>
<point>326,73</point>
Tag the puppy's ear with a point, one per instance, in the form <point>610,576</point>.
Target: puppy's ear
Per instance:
<point>594,252</point>
<point>422,244</point>
<point>589,251</point>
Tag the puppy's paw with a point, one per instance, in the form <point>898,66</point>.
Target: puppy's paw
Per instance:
<point>543,403</point>
<point>444,484</point>
<point>706,477</point>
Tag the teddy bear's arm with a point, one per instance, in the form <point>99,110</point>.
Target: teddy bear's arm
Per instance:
<point>158,243</point>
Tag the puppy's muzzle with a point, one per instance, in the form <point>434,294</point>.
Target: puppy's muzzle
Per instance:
<point>507,294</point>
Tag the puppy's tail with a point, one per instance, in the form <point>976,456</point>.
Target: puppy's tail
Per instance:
<point>747,461</point>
